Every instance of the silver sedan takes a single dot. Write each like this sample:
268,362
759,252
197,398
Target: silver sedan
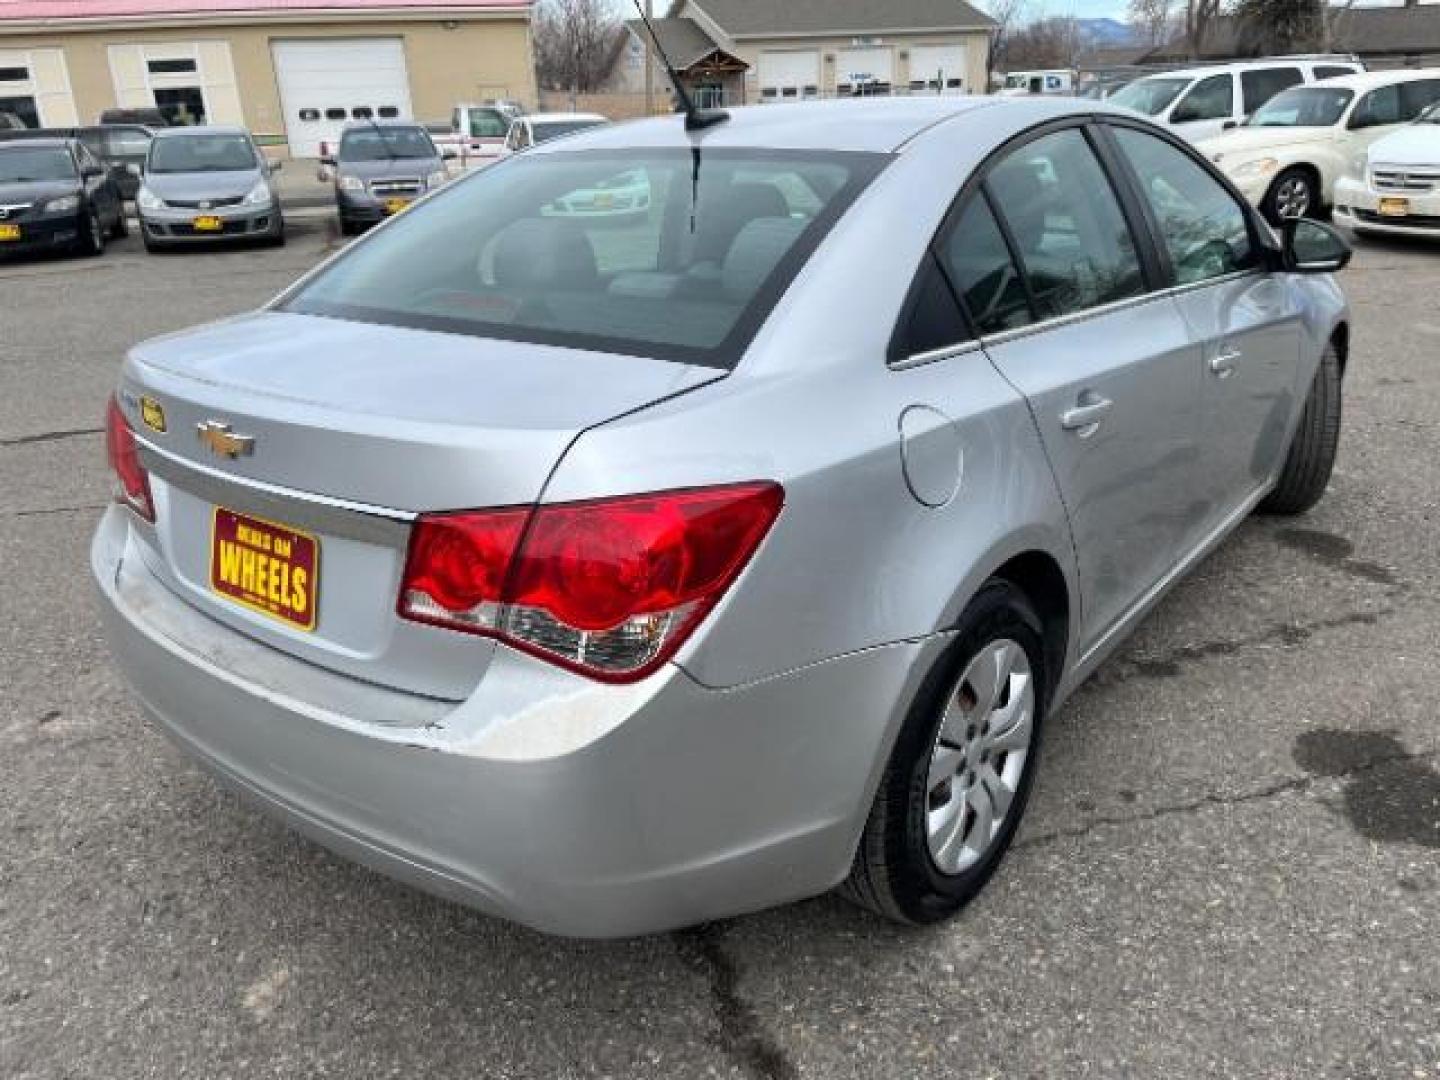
613,574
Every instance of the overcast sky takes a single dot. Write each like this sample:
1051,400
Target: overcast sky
1084,9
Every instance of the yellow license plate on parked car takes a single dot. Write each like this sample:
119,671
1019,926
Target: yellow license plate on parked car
1394,207
9,232
208,224
394,206
266,567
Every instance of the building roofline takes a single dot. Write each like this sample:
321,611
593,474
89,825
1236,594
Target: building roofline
10,27
907,32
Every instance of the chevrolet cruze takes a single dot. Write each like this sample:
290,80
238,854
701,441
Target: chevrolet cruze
612,576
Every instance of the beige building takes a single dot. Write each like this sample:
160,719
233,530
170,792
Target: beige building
736,52
293,71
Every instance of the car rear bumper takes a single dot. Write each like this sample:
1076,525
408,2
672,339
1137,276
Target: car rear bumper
1357,206
572,807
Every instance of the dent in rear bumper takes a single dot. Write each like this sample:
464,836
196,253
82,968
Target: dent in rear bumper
575,808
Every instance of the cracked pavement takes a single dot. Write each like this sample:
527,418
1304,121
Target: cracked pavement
1231,867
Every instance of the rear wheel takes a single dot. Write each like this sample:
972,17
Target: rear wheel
1311,458
122,227
1293,194
92,236
960,775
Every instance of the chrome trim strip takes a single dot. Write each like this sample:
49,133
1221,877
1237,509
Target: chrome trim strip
321,513
934,356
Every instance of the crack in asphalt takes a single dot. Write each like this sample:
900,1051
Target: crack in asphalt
742,1037
49,436
1287,786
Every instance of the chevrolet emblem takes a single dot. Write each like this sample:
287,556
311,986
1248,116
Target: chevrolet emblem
222,442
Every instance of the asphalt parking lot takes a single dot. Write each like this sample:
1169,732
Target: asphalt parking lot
1232,867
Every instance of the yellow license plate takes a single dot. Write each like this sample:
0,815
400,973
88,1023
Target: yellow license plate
394,206
208,224
9,232
1394,207
266,567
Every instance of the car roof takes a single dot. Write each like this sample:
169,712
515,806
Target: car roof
875,125
199,129
49,142
1251,65
1370,79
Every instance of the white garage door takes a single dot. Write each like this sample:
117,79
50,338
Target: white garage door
874,66
325,84
937,67
789,75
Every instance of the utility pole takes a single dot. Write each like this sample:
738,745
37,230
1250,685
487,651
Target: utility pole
649,63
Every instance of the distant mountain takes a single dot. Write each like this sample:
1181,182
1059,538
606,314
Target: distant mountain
1106,33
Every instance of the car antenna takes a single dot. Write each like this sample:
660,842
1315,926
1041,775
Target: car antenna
695,119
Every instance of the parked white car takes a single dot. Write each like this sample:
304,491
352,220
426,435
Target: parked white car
1394,187
528,131
478,130
1288,157
1200,103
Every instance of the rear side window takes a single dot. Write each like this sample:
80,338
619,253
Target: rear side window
1203,228
1325,71
1260,86
1416,97
1075,247
986,277
932,320
652,253
1378,108
1212,99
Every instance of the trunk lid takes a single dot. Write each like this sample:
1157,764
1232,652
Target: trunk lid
348,430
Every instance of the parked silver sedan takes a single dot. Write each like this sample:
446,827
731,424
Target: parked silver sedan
206,184
616,575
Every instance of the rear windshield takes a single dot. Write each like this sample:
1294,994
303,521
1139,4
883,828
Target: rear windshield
1305,106
201,153
652,253
488,124
1150,96
386,143
20,165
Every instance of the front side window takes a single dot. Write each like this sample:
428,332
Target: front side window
651,253
488,124
1075,247
201,153
978,262
1260,86
1212,99
1203,228
386,143
1150,96
23,165
1304,106
1416,97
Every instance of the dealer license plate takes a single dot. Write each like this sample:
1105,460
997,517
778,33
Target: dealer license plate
9,232
267,567
1394,207
207,223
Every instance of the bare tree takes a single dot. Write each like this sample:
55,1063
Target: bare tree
1044,43
575,43
1271,27
1199,16
1157,20
1007,15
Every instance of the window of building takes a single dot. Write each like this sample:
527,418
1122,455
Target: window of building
335,114
181,105
14,74
171,67
362,112
310,114
22,107
389,112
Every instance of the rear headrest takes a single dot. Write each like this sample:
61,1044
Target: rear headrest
541,253
730,208
756,252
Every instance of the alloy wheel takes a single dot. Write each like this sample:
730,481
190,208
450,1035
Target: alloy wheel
1292,197
979,757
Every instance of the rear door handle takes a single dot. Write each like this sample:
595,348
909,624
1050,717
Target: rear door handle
1223,362
1085,416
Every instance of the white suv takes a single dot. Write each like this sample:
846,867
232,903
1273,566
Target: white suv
1201,102
1289,155
1394,187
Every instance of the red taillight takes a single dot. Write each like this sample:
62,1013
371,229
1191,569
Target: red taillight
608,588
132,481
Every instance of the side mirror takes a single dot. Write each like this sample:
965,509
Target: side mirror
1230,125
449,153
274,166
1312,247
328,160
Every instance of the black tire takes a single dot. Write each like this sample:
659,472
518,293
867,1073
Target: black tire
1280,196
92,236
893,873
348,228
122,226
152,246
1311,458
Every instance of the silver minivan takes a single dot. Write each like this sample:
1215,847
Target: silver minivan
616,573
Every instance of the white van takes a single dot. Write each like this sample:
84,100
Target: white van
1202,102
1055,81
